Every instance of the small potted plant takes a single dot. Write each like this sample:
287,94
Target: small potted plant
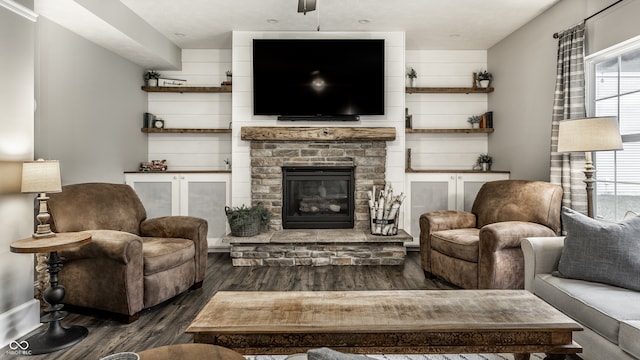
484,79
151,77
484,160
412,75
246,221
474,121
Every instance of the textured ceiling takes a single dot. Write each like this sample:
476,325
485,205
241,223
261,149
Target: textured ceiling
429,24
136,29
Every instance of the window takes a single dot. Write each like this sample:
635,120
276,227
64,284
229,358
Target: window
613,89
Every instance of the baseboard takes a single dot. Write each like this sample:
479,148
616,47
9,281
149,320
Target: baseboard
19,321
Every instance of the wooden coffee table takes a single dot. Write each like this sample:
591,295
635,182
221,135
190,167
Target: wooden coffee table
384,322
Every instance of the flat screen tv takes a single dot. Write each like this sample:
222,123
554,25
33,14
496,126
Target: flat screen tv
319,79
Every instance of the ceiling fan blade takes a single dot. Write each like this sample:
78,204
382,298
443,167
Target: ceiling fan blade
306,5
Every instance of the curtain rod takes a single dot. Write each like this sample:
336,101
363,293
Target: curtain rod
555,35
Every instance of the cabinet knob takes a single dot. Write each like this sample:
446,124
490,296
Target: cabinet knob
182,177
453,177
175,177
459,177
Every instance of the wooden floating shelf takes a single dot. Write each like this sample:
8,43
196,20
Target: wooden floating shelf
447,90
450,131
194,131
188,89
268,133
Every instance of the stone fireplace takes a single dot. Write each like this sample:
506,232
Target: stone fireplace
276,150
272,148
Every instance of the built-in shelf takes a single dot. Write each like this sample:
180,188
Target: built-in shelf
188,89
448,90
438,171
450,131
195,131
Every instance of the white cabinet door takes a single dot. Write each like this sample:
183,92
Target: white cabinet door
202,195
159,192
205,196
468,185
441,191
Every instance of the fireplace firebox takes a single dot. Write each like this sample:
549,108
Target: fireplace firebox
318,197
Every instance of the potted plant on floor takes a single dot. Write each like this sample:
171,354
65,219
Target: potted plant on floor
151,77
246,221
484,160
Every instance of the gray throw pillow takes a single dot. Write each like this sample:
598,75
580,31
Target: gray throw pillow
601,251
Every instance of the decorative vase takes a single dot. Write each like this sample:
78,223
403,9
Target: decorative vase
483,83
485,166
152,82
475,125
412,82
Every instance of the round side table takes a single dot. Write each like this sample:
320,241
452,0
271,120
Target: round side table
56,337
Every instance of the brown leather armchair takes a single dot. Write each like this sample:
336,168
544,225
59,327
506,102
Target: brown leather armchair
131,263
481,249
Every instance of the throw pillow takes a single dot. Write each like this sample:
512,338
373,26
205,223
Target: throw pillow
601,251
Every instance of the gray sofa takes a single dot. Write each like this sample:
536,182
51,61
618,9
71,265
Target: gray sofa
609,314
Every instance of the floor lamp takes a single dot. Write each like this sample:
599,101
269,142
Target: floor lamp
587,135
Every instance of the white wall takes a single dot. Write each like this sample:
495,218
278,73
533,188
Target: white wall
242,111
19,312
524,69
90,107
445,68
200,67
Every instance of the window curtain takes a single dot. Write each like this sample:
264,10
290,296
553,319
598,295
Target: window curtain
569,103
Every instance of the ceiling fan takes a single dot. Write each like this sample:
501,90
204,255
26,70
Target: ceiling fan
306,5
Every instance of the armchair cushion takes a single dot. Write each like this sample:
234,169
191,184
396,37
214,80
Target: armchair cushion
600,251
161,254
462,243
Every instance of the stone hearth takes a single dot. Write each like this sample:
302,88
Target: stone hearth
318,248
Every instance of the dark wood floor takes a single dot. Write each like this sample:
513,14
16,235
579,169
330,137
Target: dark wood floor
165,323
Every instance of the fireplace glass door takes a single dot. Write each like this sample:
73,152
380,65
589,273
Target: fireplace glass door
318,197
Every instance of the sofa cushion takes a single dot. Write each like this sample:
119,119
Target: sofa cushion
458,243
598,306
629,335
601,251
165,253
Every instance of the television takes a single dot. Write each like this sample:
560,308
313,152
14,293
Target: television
318,79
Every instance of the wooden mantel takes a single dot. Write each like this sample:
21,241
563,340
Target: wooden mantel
298,133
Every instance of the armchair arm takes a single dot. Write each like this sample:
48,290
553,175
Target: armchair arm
446,220
120,246
436,221
500,259
184,227
508,234
541,256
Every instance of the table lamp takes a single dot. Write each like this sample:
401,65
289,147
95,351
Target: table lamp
41,177
587,135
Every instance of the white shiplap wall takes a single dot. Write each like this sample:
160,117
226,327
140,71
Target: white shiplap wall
243,112
429,151
440,68
200,67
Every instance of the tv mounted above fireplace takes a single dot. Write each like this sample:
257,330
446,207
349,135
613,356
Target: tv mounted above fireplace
318,79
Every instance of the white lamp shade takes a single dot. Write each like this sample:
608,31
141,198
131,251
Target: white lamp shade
41,176
589,134
10,180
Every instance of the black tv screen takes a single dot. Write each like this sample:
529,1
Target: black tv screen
318,79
